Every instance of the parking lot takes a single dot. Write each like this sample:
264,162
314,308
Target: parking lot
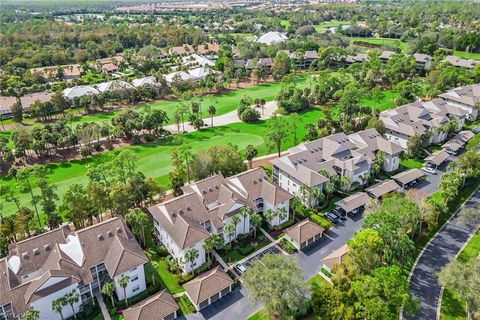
244,265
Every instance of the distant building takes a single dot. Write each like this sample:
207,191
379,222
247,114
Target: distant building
466,97
79,91
462,63
272,37
70,72
161,306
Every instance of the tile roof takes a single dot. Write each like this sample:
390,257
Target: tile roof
55,255
208,284
354,201
438,157
69,71
303,231
353,152
459,62
335,257
382,188
158,306
79,91
408,176
469,95
6,104
28,99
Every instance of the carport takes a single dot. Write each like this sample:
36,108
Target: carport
353,203
409,177
437,158
380,189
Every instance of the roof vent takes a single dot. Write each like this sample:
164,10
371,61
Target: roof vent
204,191
25,255
254,181
119,230
36,252
189,209
46,247
180,211
217,187
260,179
210,189
100,237
109,233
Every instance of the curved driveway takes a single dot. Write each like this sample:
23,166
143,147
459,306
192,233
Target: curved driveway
443,247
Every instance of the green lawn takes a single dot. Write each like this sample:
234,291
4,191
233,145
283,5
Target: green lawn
154,159
411,163
169,279
467,55
319,281
453,307
224,103
185,305
285,24
328,24
383,41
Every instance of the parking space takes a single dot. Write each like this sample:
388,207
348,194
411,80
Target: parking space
241,267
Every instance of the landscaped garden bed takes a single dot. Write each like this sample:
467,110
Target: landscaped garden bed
242,248
287,246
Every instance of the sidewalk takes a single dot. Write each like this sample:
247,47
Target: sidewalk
102,305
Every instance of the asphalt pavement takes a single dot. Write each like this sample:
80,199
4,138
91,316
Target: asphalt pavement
443,247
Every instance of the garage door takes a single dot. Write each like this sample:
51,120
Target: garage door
170,317
225,291
303,245
215,297
203,304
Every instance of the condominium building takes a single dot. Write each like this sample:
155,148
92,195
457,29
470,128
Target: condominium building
44,268
207,206
338,154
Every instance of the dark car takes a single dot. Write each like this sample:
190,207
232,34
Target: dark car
339,214
476,130
330,216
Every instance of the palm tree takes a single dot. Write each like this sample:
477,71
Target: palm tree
57,306
108,289
245,213
212,111
229,232
210,243
262,104
123,283
235,222
31,314
190,256
329,188
317,195
256,221
70,299
269,215
282,214
137,219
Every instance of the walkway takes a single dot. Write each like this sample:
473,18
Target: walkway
439,251
225,119
102,305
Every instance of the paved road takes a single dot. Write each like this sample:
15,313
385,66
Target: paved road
444,246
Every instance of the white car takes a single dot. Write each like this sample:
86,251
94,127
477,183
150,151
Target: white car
429,170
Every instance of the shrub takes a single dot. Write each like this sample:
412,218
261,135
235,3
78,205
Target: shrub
109,145
97,147
161,251
250,115
324,223
85,151
287,246
135,140
149,137
245,251
184,278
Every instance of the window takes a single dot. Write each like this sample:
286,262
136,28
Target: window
134,278
133,269
135,289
